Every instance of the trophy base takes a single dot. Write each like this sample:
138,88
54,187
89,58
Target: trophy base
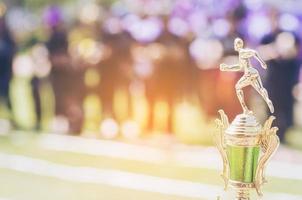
238,194
243,194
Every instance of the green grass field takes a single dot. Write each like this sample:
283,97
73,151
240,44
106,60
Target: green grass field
31,171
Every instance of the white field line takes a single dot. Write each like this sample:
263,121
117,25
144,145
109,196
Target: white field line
199,158
120,179
108,177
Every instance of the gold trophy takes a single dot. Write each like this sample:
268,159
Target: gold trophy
245,145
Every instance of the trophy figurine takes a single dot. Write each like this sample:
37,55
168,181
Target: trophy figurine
245,145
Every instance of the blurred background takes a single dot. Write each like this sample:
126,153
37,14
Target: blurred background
107,99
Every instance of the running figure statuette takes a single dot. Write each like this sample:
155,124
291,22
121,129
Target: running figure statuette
251,75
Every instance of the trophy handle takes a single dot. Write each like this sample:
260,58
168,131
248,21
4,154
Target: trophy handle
222,125
269,142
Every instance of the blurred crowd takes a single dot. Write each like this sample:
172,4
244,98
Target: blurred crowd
86,66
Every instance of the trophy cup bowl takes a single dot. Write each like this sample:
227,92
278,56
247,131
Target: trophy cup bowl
245,147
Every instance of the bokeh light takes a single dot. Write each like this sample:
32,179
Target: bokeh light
288,22
109,128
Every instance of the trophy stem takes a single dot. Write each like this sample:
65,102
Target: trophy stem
243,194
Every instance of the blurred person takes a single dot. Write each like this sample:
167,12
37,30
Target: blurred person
115,70
281,49
40,84
170,79
234,19
35,86
282,76
7,52
66,80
